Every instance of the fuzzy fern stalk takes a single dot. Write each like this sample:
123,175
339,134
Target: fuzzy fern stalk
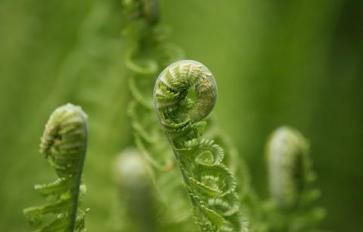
184,95
290,182
137,193
64,145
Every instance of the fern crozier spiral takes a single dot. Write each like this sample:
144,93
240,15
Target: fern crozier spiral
176,83
185,94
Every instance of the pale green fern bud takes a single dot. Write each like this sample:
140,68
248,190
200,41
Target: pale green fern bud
64,145
184,94
288,166
291,184
136,192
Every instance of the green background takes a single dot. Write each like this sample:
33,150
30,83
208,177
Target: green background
276,62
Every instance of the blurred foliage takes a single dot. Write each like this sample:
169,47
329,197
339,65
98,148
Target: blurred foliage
276,62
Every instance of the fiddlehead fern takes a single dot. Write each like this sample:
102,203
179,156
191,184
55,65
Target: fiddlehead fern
148,51
64,145
288,166
90,76
290,182
184,94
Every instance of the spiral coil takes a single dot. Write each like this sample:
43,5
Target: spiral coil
184,94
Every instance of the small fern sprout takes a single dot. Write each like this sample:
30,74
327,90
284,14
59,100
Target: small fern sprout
291,183
184,95
288,166
137,192
64,145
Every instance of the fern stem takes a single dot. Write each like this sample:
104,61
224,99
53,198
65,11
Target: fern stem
78,178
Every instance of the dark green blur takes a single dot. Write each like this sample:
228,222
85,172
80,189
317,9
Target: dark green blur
276,62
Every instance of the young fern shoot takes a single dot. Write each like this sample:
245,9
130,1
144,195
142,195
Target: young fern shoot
137,193
184,94
64,145
290,179
288,166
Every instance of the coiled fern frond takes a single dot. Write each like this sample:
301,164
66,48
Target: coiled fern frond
291,183
184,95
64,145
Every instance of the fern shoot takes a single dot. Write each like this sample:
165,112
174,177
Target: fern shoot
137,193
184,94
290,182
64,145
288,166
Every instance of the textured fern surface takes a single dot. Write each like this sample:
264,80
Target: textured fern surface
63,144
184,94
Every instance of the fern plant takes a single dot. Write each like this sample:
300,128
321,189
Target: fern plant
138,202
64,145
184,94
293,197
148,52
153,198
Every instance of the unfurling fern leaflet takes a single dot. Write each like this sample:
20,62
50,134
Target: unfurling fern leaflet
184,94
290,182
64,145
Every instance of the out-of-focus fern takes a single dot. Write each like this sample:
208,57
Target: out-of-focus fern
64,145
148,52
184,95
290,174
138,202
